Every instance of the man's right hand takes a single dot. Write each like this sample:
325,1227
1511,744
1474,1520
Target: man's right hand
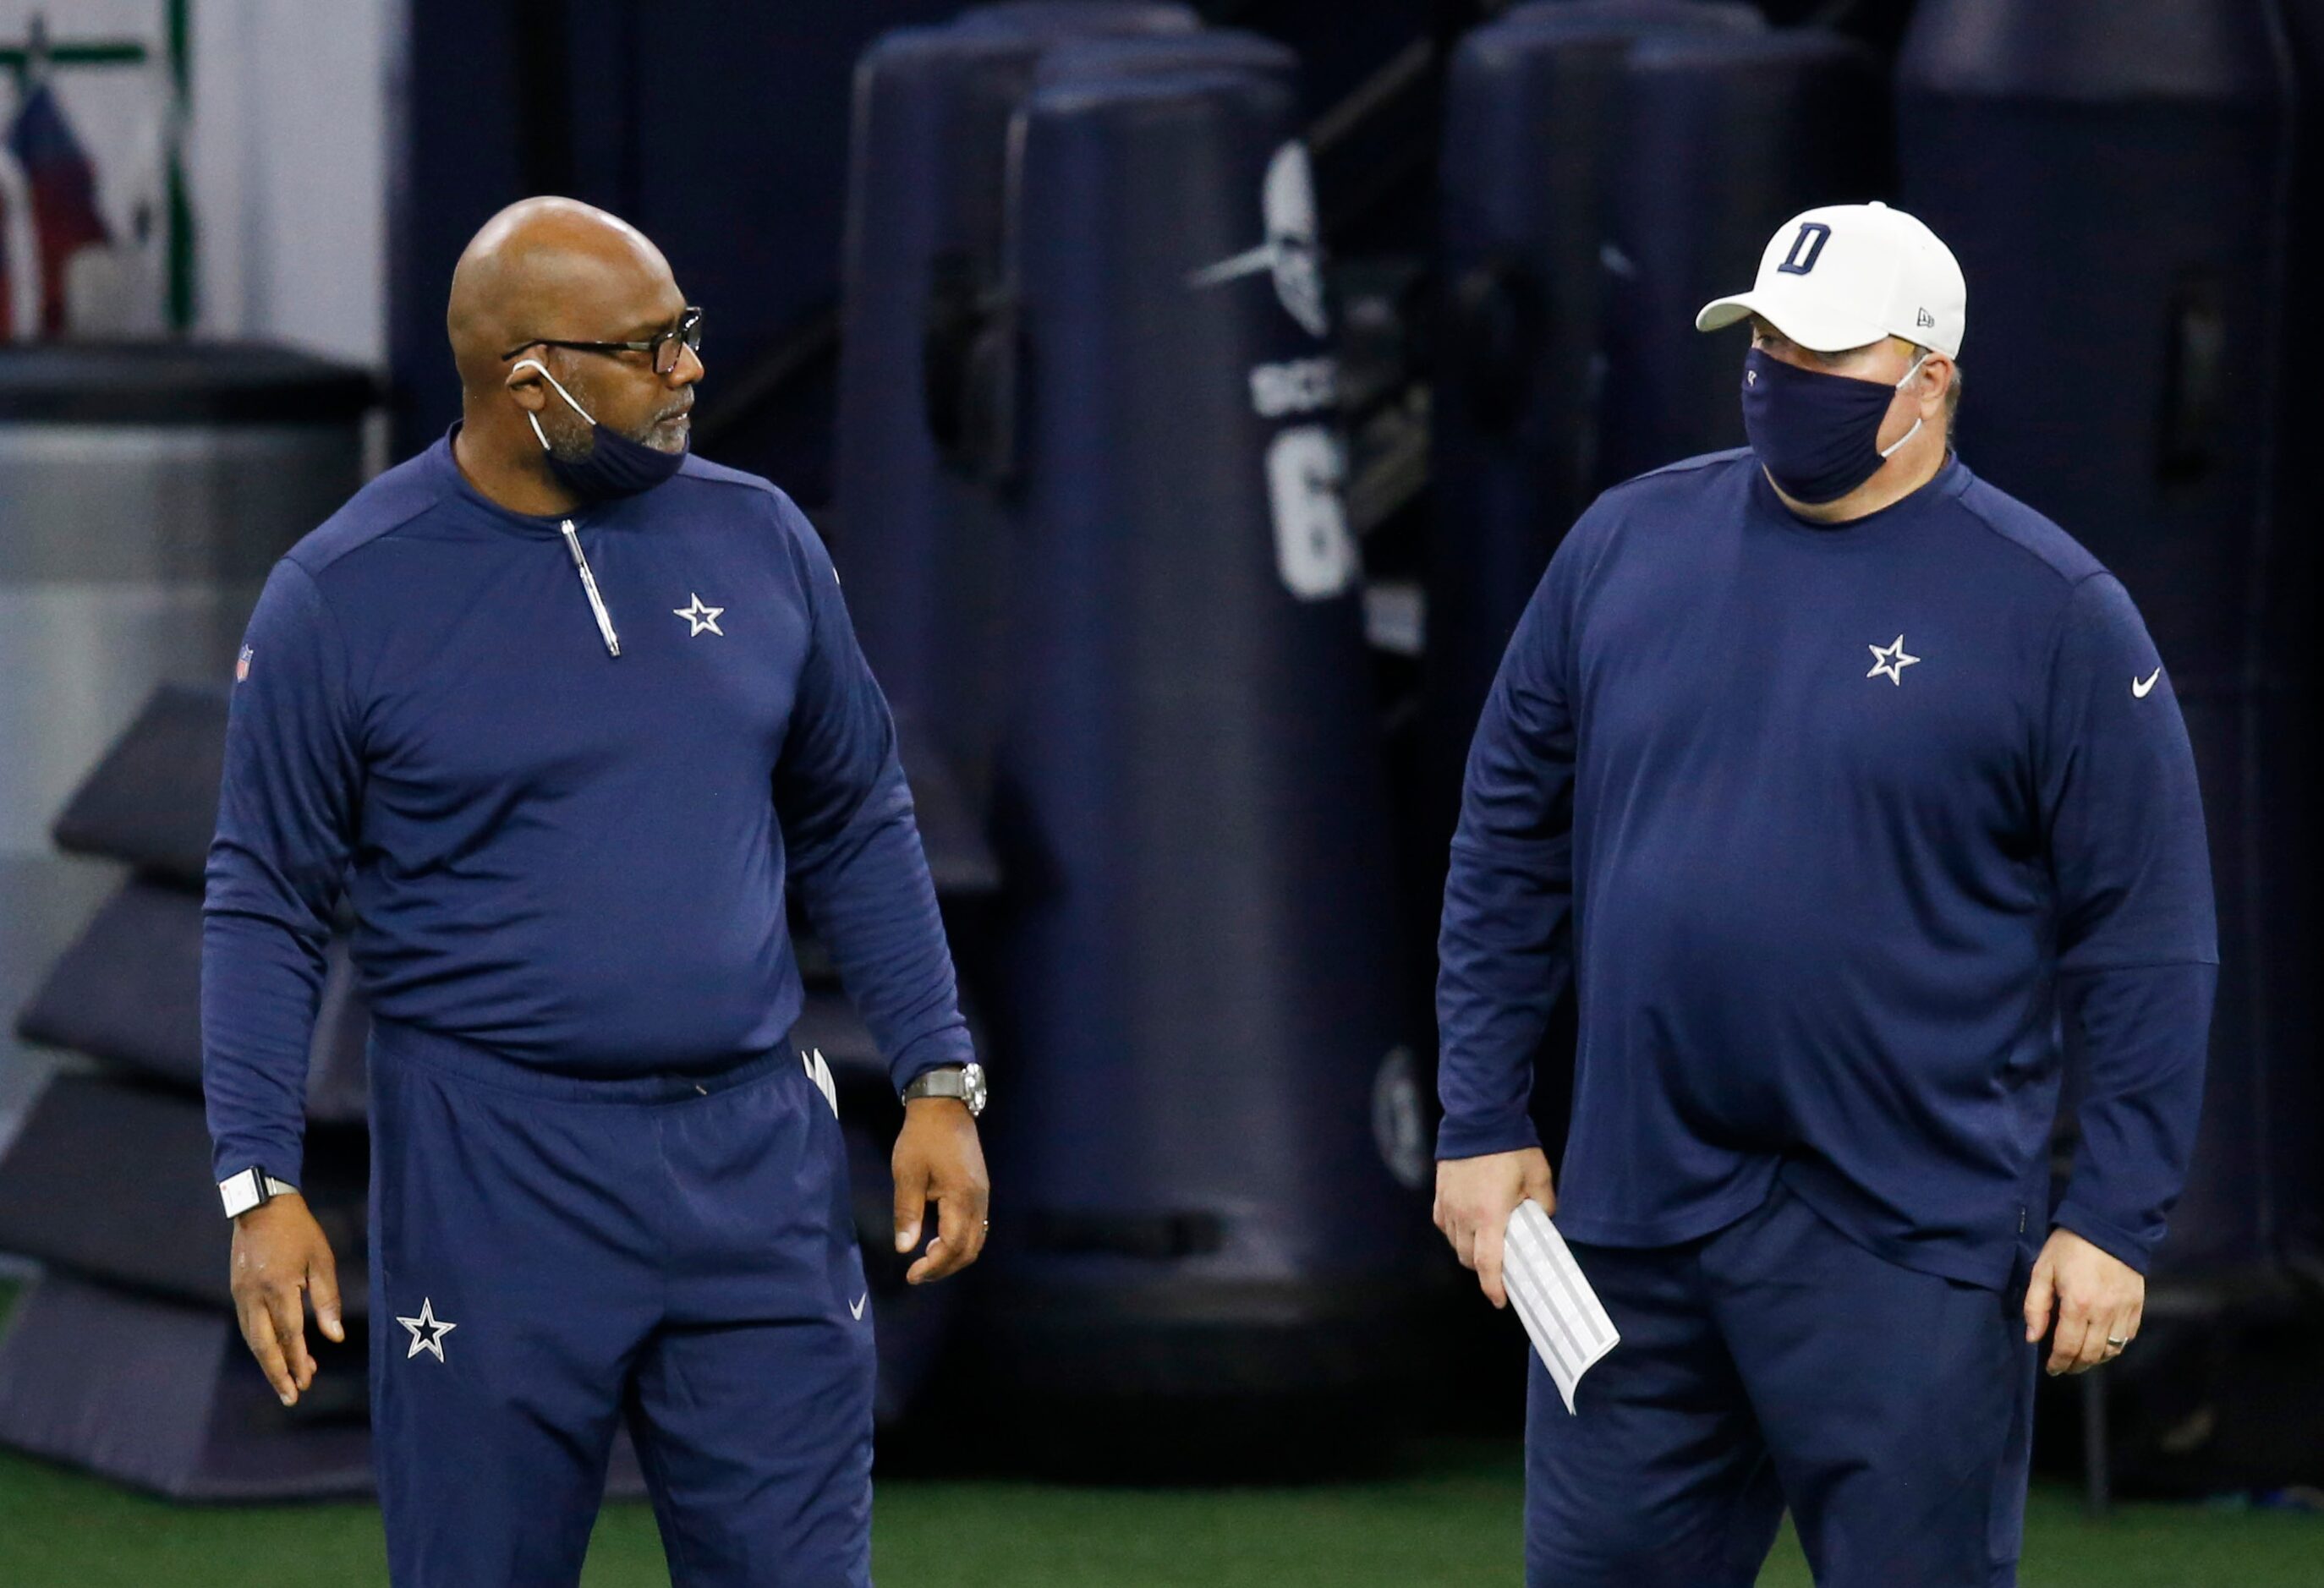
1474,1199
281,1261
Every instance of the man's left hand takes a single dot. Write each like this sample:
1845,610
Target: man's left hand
939,1159
2095,1297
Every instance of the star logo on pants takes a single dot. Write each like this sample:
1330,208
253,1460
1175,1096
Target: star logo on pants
427,1331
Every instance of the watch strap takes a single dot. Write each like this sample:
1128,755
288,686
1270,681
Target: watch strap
949,1080
964,1082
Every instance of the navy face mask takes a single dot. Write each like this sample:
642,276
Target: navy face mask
615,465
1818,434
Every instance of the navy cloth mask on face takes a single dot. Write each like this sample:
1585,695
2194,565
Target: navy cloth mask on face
1817,434
615,465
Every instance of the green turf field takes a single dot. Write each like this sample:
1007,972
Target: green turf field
1451,1518
1448,1515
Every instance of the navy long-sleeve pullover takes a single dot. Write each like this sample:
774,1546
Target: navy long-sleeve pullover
569,859
1834,830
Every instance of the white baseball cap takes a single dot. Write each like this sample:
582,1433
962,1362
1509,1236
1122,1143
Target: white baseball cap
1849,275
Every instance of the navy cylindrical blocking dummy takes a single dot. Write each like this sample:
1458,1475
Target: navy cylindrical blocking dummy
1199,1009
1533,119
1724,136
923,552
1057,19
2113,175
1145,55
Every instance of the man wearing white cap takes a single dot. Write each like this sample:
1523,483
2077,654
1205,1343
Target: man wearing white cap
1841,785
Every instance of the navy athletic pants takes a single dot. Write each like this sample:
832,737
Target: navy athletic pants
1776,1362
550,1257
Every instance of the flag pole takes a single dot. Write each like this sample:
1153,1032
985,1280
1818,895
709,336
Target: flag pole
182,207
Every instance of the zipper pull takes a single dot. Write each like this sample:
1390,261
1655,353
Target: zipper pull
589,582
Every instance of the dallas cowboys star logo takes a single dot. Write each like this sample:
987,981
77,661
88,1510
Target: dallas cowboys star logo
1890,659
427,1331
701,617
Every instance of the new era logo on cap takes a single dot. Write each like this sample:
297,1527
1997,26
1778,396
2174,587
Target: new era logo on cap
1847,276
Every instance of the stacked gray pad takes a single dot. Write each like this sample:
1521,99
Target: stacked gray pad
142,1212
127,992
162,1394
146,487
125,1357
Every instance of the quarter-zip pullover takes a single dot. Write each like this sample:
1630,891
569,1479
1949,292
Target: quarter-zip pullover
1833,830
565,768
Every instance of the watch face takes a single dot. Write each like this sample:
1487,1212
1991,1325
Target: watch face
972,1087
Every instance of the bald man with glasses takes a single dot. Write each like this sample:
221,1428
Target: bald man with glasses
569,712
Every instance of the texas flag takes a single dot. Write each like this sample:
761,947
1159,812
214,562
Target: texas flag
61,186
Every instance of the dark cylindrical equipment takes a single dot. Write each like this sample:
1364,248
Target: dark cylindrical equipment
923,552
1533,118
1145,55
1199,1013
1063,19
2115,176
1725,135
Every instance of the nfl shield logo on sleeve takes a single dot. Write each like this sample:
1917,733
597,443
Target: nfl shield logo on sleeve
242,666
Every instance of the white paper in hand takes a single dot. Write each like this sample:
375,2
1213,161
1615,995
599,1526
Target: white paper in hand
1561,1314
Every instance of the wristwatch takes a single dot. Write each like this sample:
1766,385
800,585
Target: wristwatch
963,1081
252,1188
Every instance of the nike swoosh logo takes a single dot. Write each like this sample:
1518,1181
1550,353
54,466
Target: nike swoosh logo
856,1306
2141,690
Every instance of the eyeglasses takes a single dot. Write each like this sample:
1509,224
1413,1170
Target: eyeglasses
686,333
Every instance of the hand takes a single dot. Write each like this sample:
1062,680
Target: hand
1474,1199
938,1159
281,1255
2096,1296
